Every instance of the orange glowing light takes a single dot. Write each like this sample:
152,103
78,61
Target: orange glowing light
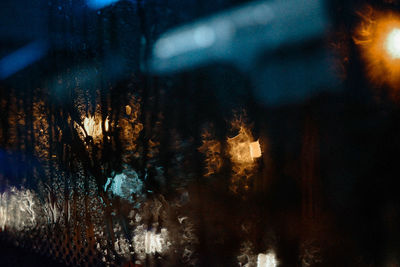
378,36
243,150
211,148
128,110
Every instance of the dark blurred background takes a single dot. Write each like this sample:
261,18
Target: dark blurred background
324,192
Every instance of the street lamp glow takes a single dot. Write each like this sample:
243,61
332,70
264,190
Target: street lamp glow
393,43
378,37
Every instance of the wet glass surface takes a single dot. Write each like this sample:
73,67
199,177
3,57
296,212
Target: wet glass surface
104,163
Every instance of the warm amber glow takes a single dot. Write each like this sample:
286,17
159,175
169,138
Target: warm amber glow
378,37
242,150
131,127
128,110
212,151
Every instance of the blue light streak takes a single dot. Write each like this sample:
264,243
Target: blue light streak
98,4
22,58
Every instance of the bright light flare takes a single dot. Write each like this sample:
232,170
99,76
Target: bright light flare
393,43
378,37
92,126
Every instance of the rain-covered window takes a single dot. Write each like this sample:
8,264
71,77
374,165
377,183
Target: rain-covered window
255,133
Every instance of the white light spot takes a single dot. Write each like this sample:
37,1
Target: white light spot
393,43
267,260
149,242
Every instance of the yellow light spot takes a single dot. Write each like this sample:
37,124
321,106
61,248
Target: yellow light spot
128,110
106,125
393,43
